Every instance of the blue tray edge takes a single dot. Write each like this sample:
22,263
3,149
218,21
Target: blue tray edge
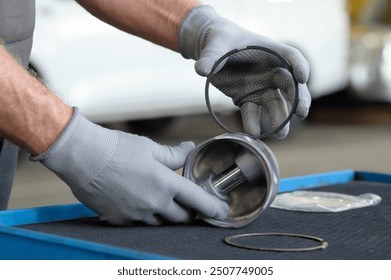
316,180
22,244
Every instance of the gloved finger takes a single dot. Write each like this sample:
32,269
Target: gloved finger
204,66
283,132
283,80
304,102
176,213
123,220
196,198
300,65
250,113
172,157
153,220
277,110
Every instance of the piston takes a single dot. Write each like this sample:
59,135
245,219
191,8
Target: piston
238,169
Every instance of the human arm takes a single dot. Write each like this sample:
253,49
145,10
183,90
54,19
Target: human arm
157,21
31,116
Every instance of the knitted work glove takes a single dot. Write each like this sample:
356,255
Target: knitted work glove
205,37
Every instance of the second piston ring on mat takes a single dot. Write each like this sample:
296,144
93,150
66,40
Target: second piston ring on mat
322,244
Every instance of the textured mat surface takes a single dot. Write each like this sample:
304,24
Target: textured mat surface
356,234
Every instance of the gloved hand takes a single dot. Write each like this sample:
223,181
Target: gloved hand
205,37
126,178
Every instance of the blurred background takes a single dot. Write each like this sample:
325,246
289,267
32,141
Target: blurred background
127,83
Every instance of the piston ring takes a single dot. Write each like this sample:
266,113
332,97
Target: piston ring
322,243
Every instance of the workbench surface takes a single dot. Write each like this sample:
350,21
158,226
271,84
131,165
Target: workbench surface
355,234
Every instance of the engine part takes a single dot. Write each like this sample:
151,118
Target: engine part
238,169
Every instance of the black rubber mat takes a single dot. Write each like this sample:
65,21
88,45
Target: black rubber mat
356,234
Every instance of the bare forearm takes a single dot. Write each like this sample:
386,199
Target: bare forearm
155,20
30,115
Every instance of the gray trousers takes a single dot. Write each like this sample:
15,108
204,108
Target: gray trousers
17,20
8,160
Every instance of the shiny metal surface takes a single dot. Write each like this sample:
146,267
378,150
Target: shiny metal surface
229,180
236,168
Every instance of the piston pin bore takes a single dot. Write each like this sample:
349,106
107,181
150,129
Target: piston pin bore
245,169
228,180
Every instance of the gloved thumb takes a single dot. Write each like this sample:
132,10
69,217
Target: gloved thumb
204,65
173,157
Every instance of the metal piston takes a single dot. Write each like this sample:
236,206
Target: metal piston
238,169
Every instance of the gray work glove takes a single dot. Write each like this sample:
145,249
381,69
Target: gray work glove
126,178
205,37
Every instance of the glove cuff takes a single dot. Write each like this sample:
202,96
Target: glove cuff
192,28
81,151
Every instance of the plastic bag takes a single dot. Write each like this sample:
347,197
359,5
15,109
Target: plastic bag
314,201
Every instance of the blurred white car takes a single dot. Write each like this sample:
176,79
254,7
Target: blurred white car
113,76
370,74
